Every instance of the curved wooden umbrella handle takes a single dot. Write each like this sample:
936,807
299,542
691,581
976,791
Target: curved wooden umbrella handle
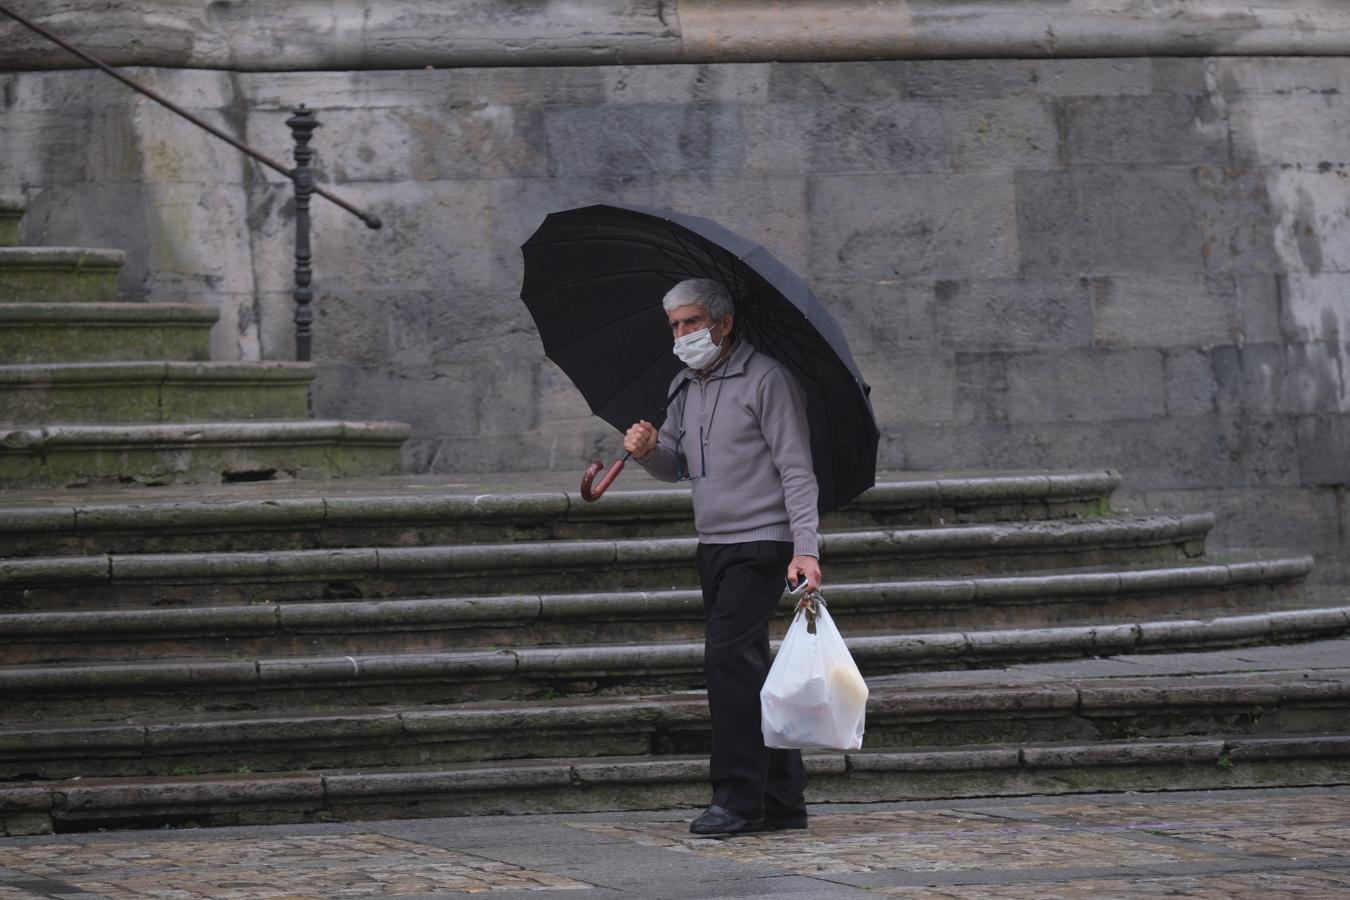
591,494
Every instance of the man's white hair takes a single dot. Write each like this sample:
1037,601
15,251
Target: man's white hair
704,292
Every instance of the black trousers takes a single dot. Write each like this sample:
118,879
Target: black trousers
742,585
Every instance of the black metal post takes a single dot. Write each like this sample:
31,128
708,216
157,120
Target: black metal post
302,126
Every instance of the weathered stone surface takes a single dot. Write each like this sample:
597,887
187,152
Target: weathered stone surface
316,36
34,333
1166,129
1082,385
1163,312
932,227
1002,134
1321,444
1106,220
1142,752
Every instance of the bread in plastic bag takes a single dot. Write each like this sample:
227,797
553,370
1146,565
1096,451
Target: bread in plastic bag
814,695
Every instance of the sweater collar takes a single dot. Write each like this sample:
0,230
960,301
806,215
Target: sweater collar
734,365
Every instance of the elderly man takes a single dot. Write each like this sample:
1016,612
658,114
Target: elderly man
738,431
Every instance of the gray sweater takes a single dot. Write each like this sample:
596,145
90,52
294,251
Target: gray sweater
752,476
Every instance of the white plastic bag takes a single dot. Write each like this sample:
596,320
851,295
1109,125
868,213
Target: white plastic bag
814,695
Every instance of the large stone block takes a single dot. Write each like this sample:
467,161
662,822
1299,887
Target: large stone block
1293,76
1279,219
422,88
1258,306
1314,307
780,138
436,234
1181,75
877,137
1007,133
972,77
687,83
1099,77
1274,378
1086,386
1159,311
1305,129
1269,517
1013,313
1190,383
422,143
828,81
411,396
643,139
884,316
875,227
40,147
1201,451
982,387
1109,220
1322,443
1168,129
910,387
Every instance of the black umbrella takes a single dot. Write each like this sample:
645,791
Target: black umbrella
594,279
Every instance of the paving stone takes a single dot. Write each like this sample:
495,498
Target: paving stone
305,868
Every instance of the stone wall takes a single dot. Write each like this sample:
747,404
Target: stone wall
1141,263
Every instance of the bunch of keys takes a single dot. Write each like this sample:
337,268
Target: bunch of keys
811,601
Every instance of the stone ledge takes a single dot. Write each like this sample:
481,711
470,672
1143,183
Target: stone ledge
109,314
559,784
58,437
113,374
874,654
852,603
1067,537
321,36
896,716
60,259
146,513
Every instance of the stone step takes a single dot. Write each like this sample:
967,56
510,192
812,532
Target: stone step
192,686
425,509
1222,586
69,393
466,569
11,212
614,783
59,274
904,714
40,333
213,452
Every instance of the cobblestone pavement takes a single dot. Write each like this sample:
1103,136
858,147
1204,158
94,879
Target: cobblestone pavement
1221,844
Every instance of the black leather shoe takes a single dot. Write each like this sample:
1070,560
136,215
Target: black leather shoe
718,820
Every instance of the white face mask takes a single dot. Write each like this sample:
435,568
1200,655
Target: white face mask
696,349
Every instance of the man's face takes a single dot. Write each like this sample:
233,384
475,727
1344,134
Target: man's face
688,319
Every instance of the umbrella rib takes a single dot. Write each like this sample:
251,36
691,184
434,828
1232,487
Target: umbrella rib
602,326
681,237
583,280
650,363
777,331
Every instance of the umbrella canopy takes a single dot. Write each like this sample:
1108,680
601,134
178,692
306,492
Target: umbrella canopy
594,279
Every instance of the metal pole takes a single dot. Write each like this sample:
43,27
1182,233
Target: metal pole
302,126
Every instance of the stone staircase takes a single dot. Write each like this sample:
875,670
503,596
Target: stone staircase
96,390
199,626
417,646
